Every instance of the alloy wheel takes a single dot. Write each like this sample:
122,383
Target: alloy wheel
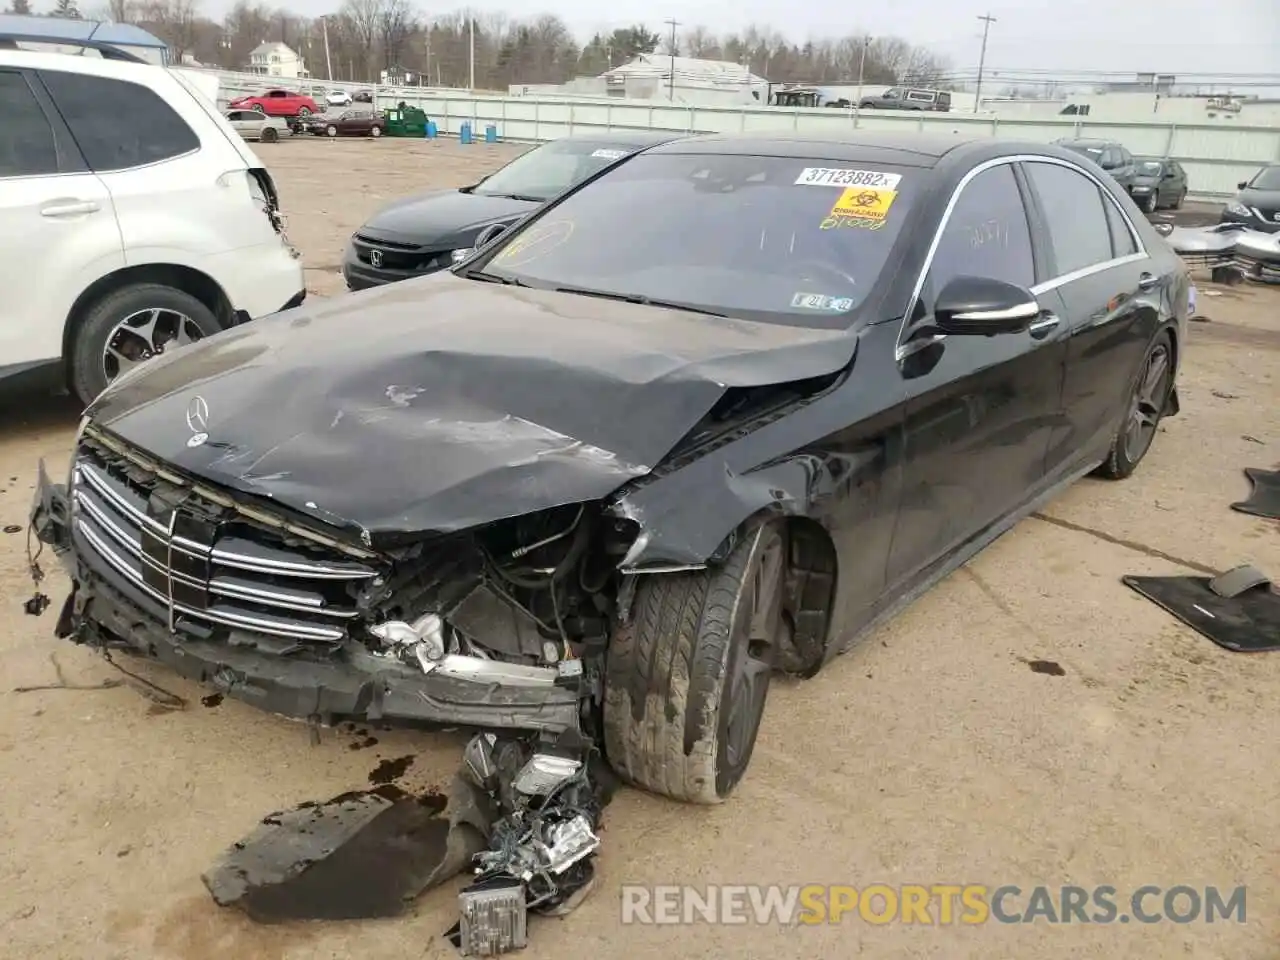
143,335
1147,404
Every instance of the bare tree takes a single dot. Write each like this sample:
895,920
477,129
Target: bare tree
396,22
364,18
173,21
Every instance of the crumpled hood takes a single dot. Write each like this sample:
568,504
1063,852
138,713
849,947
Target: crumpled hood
442,217
441,403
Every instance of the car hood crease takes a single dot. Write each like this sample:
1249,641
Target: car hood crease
442,403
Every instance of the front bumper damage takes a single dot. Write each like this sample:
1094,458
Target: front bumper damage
114,612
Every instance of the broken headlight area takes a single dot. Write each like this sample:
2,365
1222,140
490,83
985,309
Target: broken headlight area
524,600
542,845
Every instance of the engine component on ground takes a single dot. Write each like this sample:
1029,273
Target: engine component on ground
494,919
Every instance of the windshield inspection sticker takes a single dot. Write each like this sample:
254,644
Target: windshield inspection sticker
867,203
610,154
837,177
819,301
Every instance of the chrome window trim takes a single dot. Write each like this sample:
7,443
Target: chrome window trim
1052,283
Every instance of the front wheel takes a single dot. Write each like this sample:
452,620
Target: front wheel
259,108
331,131
130,326
375,132
270,135
1147,403
688,675
1153,202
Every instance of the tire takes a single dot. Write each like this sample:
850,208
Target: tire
1182,197
1147,400
304,112
331,131
686,682
375,132
1153,202
260,108
100,324
269,135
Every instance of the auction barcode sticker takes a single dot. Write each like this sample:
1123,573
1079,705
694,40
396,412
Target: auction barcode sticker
844,177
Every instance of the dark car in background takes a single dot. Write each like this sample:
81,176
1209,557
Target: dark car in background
908,98
354,121
1111,156
427,232
1159,183
1257,205
714,413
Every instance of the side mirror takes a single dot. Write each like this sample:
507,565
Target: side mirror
980,306
1242,185
1164,229
489,233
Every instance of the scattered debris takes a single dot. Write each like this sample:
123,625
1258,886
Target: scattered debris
13,528
1225,396
361,855
37,604
1264,499
212,700
62,684
1048,667
1245,436
1238,610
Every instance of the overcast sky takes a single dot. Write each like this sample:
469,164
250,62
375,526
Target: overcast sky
1168,36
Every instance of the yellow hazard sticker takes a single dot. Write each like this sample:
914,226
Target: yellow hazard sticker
865,203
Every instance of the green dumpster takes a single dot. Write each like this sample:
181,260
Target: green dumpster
406,121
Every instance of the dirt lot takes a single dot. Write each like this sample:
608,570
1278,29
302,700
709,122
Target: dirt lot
931,754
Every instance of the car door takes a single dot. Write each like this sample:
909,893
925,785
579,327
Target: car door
57,224
245,122
1111,295
276,103
361,122
979,410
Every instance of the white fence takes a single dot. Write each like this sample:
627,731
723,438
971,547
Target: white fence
1216,157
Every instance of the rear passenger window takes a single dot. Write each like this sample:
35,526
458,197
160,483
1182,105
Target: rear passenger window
1122,242
117,124
26,140
1078,228
987,234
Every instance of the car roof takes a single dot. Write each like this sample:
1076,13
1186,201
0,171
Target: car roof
640,138
903,148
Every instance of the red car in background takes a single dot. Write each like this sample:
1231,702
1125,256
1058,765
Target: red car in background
278,103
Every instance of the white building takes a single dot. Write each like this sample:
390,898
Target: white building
277,60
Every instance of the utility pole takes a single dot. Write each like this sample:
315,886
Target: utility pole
862,71
328,63
671,84
987,20
471,41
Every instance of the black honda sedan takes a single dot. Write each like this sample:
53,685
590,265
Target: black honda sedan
429,232
712,414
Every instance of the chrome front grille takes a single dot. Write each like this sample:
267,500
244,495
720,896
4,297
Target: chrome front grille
207,565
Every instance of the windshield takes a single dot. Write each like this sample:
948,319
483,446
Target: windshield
763,238
1150,168
1090,151
1267,179
546,171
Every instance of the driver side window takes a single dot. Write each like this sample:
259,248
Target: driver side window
987,234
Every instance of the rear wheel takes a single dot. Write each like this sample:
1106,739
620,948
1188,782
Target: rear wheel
304,111
130,326
1147,403
270,135
375,132
331,131
688,675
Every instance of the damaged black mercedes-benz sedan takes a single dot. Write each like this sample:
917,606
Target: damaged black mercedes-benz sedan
709,415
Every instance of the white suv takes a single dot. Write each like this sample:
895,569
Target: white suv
133,219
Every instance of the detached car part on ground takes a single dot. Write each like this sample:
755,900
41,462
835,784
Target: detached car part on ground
597,484
429,232
1229,247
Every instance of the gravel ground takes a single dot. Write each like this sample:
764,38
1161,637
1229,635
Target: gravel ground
931,754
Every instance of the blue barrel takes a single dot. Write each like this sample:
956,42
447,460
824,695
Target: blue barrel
464,132
431,130
491,133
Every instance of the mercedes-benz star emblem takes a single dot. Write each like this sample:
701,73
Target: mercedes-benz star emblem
375,258
198,421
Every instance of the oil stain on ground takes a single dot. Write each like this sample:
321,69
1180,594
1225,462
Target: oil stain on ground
1048,667
390,770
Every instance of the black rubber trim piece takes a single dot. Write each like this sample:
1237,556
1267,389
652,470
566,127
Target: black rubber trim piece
1264,501
1238,610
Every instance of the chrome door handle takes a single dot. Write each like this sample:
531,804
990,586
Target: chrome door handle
1043,324
69,208
1147,281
